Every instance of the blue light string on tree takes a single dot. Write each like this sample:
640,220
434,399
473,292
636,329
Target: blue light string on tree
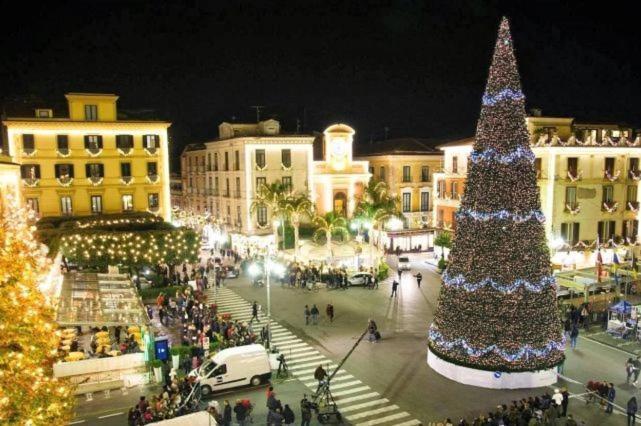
493,155
503,95
526,351
460,282
502,215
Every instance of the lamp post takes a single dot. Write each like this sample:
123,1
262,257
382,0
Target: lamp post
268,267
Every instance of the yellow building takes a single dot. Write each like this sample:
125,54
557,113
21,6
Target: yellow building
9,180
90,162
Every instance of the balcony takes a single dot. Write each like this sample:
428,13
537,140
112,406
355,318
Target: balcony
126,180
125,151
29,152
407,179
151,150
153,178
572,207
611,175
95,180
31,182
575,175
64,180
634,175
546,140
94,151
609,206
63,152
632,206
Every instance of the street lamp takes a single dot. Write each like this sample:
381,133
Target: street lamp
269,267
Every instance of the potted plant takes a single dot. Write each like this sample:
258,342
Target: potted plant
175,356
157,366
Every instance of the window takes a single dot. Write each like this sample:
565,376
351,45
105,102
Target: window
209,161
630,230
236,160
95,170
570,232
34,205
425,174
93,143
407,174
260,158
261,215
96,204
286,157
151,142
382,173
65,206
152,169
573,166
215,161
425,201
606,230
287,183
30,171
227,187
64,171
631,195
609,165
570,196
226,161
63,144
407,202
125,170
260,182
238,216
216,185
634,165
91,112
608,193
537,166
153,201
454,189
237,187
127,202
28,143
455,164
124,142
441,188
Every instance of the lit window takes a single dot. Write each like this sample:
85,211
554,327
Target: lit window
96,204
91,112
260,158
261,215
286,157
153,201
34,205
127,202
65,206
407,202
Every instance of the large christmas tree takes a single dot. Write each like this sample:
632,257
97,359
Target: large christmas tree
29,395
497,306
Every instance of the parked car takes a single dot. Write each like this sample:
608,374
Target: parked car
404,264
359,279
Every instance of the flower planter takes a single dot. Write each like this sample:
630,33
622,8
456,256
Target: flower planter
158,374
175,361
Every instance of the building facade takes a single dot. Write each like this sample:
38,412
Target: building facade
588,176
9,181
222,177
90,162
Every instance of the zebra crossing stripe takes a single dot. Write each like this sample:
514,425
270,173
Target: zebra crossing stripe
294,345
297,356
384,419
370,413
285,341
367,404
310,377
308,370
337,378
346,385
296,350
409,423
351,391
347,400
305,365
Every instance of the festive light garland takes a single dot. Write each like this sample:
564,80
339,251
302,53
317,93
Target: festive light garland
490,154
526,351
537,286
503,95
501,215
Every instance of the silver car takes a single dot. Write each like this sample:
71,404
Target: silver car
359,279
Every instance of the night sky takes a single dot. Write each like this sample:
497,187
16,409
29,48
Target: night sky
417,68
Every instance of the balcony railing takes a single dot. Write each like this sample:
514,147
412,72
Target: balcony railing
151,150
95,180
125,150
64,180
572,207
574,175
28,151
63,152
153,178
612,175
94,151
634,175
31,182
546,140
609,206
127,180
632,206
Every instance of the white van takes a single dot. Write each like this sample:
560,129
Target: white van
233,367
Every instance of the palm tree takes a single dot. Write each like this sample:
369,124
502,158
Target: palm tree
443,240
377,206
298,205
274,196
329,225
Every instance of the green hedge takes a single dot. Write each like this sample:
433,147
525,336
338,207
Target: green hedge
153,292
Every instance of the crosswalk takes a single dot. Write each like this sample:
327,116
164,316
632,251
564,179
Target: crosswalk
359,404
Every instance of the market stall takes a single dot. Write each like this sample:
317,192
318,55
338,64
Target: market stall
105,336
620,323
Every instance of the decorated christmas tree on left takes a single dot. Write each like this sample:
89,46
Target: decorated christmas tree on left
29,395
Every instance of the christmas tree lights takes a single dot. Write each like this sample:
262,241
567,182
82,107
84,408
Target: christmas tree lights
497,307
29,395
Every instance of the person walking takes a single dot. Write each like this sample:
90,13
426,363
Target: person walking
288,415
574,333
400,274
637,369
419,278
315,312
632,410
241,412
330,312
394,288
565,402
226,413
305,411
610,396
307,314
629,370
372,329
320,374
254,311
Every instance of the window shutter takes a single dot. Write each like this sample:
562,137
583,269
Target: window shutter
635,230
56,169
71,170
612,228
600,231
564,232
87,170
102,170
99,141
575,233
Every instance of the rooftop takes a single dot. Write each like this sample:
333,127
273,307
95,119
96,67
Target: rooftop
399,146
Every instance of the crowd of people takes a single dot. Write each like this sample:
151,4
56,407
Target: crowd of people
172,401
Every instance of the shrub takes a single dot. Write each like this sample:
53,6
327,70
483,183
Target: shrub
156,363
442,264
153,292
383,271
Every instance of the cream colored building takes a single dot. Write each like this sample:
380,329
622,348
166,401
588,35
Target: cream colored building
588,176
221,177
90,162
9,180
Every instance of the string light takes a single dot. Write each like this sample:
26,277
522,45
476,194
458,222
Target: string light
497,308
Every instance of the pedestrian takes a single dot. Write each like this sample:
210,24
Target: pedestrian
241,412
254,311
573,335
557,397
400,274
632,410
305,411
307,314
226,413
629,370
610,396
320,374
585,317
565,402
315,312
394,288
419,278
288,415
637,369
274,418
372,329
330,312
272,402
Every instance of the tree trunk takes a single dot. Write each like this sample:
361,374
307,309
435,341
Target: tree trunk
328,236
296,225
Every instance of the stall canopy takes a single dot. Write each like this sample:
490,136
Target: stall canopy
622,307
96,300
